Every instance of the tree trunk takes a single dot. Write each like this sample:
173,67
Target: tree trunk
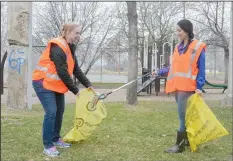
18,22
133,52
167,52
226,63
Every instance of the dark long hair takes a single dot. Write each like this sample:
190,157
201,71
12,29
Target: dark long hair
187,26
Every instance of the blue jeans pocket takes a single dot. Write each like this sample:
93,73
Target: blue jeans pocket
38,86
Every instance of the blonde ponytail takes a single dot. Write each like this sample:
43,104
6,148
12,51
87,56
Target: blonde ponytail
68,27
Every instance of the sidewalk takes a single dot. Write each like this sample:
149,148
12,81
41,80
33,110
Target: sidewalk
120,96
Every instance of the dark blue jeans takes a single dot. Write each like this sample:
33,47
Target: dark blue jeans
181,100
53,104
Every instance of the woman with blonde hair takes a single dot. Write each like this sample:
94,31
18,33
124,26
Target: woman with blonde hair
52,77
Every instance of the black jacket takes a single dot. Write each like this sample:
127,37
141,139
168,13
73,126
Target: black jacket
59,58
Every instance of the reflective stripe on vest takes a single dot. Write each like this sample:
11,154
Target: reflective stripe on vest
189,74
45,69
38,67
53,76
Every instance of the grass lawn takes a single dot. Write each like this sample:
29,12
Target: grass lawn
128,133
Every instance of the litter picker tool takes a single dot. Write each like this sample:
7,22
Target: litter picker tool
103,96
91,105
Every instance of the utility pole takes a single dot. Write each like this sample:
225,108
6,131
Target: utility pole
230,57
227,101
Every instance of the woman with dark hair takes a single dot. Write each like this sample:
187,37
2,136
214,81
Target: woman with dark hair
186,76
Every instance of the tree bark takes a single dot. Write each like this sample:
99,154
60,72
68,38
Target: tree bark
133,52
226,63
18,22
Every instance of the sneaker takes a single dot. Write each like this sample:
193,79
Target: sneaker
52,152
60,143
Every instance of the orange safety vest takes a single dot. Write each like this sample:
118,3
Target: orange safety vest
183,70
45,68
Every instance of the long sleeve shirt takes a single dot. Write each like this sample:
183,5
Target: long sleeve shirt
58,56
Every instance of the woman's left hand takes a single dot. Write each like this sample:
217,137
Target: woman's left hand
198,91
153,73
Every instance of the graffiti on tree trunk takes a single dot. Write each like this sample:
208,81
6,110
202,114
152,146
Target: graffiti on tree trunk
16,59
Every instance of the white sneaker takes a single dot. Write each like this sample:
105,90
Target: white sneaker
61,144
52,152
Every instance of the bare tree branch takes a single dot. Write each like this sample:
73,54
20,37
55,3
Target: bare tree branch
93,19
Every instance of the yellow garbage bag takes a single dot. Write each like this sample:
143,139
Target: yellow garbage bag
201,123
88,114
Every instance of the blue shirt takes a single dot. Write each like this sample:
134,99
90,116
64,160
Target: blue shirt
163,71
200,65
